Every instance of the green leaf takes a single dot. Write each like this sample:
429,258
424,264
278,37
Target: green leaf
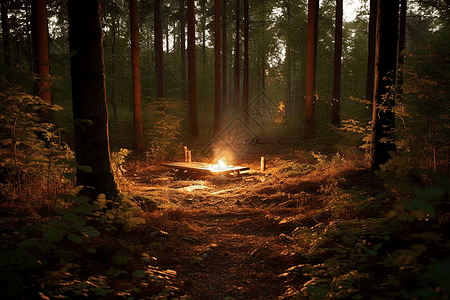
440,179
138,273
75,238
427,208
111,272
54,234
121,259
71,217
83,285
91,232
30,242
70,176
429,194
371,252
86,169
92,250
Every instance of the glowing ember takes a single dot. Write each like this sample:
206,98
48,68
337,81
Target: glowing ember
220,166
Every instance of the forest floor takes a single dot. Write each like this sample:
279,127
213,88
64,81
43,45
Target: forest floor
231,237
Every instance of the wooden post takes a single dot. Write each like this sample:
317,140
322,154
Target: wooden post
263,164
185,153
189,156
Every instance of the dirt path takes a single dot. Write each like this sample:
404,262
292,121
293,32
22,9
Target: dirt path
223,236
228,256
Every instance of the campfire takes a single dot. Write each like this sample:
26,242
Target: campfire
219,167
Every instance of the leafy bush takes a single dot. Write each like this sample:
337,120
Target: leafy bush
48,259
33,158
163,128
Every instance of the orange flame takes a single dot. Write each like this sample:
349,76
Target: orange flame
220,166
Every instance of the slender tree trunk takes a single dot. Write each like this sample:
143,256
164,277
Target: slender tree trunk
217,108
383,118
245,85
113,70
89,98
401,45
167,37
237,68
203,29
313,13
336,111
184,96
6,43
192,77
289,104
42,54
136,73
371,50
159,61
224,58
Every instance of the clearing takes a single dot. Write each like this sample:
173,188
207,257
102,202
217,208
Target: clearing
230,237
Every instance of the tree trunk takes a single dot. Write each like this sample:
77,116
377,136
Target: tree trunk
113,70
41,42
224,105
401,45
217,108
136,73
289,104
203,29
371,50
336,104
183,50
159,61
237,68
89,98
383,118
6,43
192,76
245,85
313,13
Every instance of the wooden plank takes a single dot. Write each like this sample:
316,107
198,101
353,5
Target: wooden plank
205,167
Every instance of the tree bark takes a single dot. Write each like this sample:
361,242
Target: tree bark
401,45
289,104
245,84
89,98
192,76
371,50
217,108
136,73
159,61
6,43
313,13
41,42
383,118
237,67
184,96
336,104
224,105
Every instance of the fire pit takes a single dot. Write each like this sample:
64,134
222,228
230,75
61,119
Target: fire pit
212,169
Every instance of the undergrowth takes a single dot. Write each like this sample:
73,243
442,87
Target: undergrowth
64,257
56,243
365,251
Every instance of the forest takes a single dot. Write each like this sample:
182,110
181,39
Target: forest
225,149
